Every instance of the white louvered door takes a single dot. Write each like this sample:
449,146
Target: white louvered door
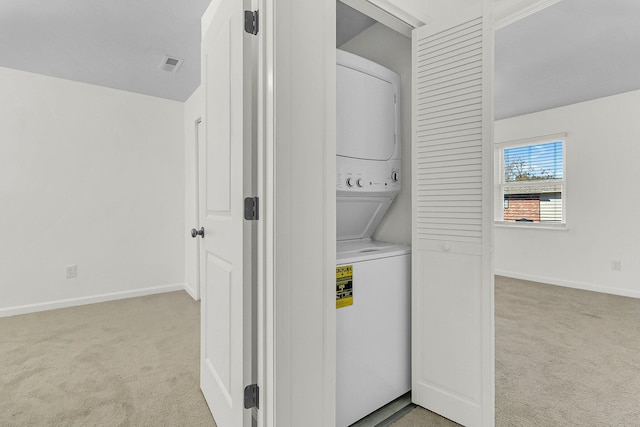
452,285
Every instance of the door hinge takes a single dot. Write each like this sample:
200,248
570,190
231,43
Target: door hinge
251,21
251,396
251,208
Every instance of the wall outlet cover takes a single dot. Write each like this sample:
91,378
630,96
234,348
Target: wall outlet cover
72,271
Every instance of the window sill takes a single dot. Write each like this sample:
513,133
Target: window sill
530,225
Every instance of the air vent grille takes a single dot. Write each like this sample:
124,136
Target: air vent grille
170,64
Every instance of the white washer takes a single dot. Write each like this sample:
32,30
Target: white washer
373,334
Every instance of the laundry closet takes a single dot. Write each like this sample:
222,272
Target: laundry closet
373,205
430,168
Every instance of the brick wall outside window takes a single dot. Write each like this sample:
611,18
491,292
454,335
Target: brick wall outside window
522,206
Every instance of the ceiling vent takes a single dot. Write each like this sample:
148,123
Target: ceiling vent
170,64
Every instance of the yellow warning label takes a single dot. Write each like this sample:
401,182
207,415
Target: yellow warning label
344,286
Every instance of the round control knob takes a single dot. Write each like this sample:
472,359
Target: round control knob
349,182
359,182
394,176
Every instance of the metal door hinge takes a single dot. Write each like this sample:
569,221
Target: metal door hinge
251,21
251,208
251,396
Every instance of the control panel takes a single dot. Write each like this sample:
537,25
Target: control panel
368,177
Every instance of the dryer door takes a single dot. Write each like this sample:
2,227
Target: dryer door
366,120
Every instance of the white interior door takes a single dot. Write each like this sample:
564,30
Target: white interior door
452,281
225,264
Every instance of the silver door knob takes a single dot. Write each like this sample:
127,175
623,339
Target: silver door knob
195,233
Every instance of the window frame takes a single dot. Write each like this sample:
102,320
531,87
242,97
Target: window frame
500,184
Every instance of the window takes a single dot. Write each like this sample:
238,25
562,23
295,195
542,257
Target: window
530,182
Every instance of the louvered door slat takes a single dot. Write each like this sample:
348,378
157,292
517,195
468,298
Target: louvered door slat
425,122
463,108
438,150
448,35
462,58
451,39
457,61
437,61
453,142
450,88
435,182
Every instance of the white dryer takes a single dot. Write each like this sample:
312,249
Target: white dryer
367,144
372,278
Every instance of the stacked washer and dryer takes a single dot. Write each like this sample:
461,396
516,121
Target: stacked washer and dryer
373,290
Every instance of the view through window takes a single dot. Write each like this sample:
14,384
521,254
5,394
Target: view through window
531,182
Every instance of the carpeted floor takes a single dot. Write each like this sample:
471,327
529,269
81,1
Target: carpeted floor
132,362
564,357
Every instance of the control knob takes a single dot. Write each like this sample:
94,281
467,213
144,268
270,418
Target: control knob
349,182
394,176
359,182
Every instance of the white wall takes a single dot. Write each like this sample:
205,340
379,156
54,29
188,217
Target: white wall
89,176
602,199
390,49
193,109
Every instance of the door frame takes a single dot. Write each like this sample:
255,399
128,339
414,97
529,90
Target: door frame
289,333
266,231
197,186
292,339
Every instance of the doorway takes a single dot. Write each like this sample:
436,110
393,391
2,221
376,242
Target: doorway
373,164
193,255
446,211
457,309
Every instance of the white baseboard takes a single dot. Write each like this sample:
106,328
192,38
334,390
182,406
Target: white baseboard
93,299
191,291
569,284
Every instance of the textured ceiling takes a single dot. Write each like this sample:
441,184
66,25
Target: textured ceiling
113,43
573,51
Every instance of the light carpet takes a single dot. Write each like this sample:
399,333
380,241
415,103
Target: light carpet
132,362
564,357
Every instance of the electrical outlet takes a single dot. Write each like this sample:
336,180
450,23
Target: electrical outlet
616,265
72,271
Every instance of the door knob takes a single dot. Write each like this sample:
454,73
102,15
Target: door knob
195,233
